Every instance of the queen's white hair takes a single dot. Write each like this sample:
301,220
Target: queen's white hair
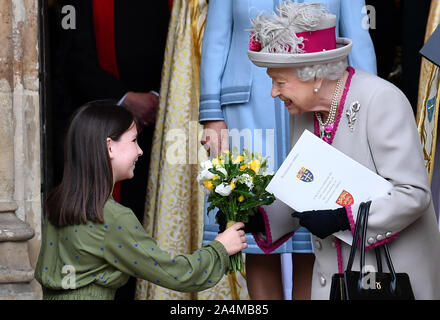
331,71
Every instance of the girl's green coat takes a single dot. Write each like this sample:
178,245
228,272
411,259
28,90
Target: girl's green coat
91,261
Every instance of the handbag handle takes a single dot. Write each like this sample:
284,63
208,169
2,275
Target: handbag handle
361,226
359,223
365,212
390,267
378,259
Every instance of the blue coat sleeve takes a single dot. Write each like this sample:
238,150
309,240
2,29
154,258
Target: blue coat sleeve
215,49
352,25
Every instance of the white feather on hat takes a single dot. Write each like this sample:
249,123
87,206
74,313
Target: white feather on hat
278,42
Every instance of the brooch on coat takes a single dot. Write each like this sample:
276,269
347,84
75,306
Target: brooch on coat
351,114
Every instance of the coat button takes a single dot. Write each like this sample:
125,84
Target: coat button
322,281
371,240
318,244
388,234
379,237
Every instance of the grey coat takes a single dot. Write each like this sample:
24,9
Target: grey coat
384,139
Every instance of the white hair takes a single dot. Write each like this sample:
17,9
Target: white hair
331,71
278,32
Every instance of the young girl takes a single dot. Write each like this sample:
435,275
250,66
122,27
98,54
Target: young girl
91,244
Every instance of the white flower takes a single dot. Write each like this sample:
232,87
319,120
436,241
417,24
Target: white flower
224,189
247,180
204,173
205,165
222,170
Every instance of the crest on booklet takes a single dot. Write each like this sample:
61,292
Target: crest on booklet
305,175
345,199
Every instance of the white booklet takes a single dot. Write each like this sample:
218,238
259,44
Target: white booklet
317,176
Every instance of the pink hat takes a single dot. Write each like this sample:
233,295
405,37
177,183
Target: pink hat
301,34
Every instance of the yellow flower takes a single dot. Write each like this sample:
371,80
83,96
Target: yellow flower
241,198
217,160
255,165
230,224
238,159
215,177
208,184
243,167
232,184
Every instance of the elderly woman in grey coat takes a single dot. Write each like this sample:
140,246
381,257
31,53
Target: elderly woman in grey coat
368,119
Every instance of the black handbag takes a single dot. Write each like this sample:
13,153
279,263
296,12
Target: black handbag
361,285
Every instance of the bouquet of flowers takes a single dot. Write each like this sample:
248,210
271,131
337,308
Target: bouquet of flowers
235,184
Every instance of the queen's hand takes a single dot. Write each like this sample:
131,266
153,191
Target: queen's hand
323,223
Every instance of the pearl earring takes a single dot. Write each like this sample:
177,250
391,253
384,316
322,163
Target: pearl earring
315,90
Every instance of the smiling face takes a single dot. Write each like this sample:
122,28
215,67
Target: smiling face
123,154
297,95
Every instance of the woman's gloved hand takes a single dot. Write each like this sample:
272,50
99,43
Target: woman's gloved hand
220,218
323,223
255,223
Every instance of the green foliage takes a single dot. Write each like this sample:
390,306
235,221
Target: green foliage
253,196
239,185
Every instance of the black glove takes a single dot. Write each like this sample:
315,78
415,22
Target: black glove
255,223
323,223
221,220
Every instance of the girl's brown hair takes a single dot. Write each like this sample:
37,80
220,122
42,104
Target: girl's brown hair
87,178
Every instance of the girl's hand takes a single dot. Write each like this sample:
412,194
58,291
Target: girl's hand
233,239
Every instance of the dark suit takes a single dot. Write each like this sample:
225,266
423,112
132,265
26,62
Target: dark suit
140,34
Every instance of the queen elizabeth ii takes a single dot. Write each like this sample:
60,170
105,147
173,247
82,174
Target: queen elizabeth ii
368,119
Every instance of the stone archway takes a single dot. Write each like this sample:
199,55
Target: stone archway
20,164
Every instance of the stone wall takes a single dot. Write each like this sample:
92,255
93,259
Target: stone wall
20,173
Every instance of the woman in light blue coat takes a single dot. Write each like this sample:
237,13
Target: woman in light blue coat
232,94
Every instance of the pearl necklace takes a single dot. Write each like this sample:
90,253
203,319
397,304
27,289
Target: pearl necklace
333,106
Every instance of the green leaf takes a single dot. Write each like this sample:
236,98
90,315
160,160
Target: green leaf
219,173
243,192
